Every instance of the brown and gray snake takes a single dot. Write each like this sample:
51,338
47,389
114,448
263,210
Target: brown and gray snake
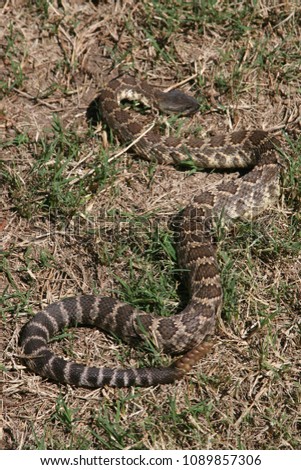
189,332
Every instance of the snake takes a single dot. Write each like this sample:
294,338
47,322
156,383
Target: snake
189,334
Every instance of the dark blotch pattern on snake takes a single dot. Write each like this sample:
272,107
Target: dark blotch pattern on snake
186,333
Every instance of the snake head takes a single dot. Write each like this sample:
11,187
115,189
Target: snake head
175,101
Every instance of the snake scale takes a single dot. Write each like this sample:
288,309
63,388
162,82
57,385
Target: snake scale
187,333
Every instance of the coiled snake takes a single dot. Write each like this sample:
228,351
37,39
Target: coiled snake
252,151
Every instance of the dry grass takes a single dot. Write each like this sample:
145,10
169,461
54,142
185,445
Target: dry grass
74,220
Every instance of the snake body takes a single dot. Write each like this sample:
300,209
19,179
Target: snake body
188,332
